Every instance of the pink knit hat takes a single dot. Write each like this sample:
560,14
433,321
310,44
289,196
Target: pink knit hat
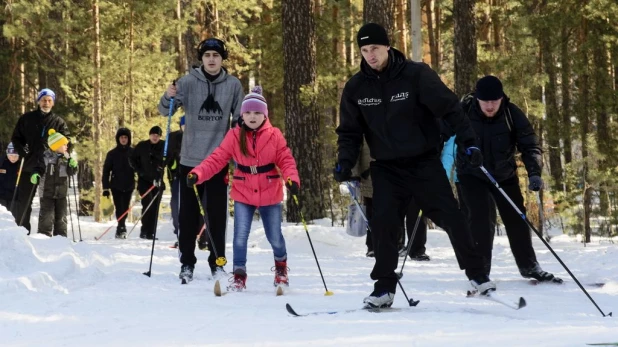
254,101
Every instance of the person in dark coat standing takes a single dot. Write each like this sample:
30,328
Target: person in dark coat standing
394,104
9,170
30,141
119,177
501,128
147,160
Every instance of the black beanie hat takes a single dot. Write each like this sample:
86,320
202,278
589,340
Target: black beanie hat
156,130
372,34
489,88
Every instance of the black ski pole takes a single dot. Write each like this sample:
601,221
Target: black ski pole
154,238
143,213
523,216
21,166
71,216
26,206
302,219
409,246
220,261
411,302
79,227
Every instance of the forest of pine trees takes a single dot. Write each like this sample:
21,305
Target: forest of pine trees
109,61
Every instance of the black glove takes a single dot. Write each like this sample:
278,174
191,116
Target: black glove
342,173
191,180
536,183
106,193
293,187
475,157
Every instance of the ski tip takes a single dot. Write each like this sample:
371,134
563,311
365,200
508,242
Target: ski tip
291,310
522,303
279,291
217,289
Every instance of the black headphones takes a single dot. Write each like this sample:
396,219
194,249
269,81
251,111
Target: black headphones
212,44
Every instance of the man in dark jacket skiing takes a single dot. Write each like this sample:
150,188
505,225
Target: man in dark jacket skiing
501,128
395,104
119,177
211,99
147,160
30,141
9,170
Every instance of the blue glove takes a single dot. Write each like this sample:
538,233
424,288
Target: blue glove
536,183
475,157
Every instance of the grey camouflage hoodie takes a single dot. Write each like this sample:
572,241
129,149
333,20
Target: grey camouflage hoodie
208,107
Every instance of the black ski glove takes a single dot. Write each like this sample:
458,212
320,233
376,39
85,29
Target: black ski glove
293,187
342,173
106,193
191,180
475,157
536,183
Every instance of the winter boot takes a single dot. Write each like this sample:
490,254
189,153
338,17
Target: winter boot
202,242
121,232
379,300
538,274
186,273
218,272
142,235
238,281
370,254
281,273
483,284
420,257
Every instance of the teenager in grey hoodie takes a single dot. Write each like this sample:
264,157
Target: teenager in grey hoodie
211,99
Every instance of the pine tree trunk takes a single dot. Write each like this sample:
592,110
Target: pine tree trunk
131,52
96,116
302,119
551,109
416,33
430,33
584,115
464,46
565,60
402,43
380,12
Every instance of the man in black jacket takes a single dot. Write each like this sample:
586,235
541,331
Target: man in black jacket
501,128
395,104
147,160
30,141
119,176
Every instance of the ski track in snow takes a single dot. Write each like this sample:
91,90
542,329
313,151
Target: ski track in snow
54,292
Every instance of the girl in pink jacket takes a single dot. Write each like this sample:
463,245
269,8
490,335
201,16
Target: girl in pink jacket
262,158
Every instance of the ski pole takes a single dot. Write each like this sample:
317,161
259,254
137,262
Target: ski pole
124,214
71,216
302,219
409,246
411,302
23,214
523,216
144,213
79,227
220,261
154,238
21,166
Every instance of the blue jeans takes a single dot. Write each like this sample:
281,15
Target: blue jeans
175,203
271,219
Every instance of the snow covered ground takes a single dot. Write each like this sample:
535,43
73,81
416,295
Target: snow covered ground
57,293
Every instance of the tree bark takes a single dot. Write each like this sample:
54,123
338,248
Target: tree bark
584,109
551,108
401,28
565,55
464,46
416,32
302,118
96,116
380,12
